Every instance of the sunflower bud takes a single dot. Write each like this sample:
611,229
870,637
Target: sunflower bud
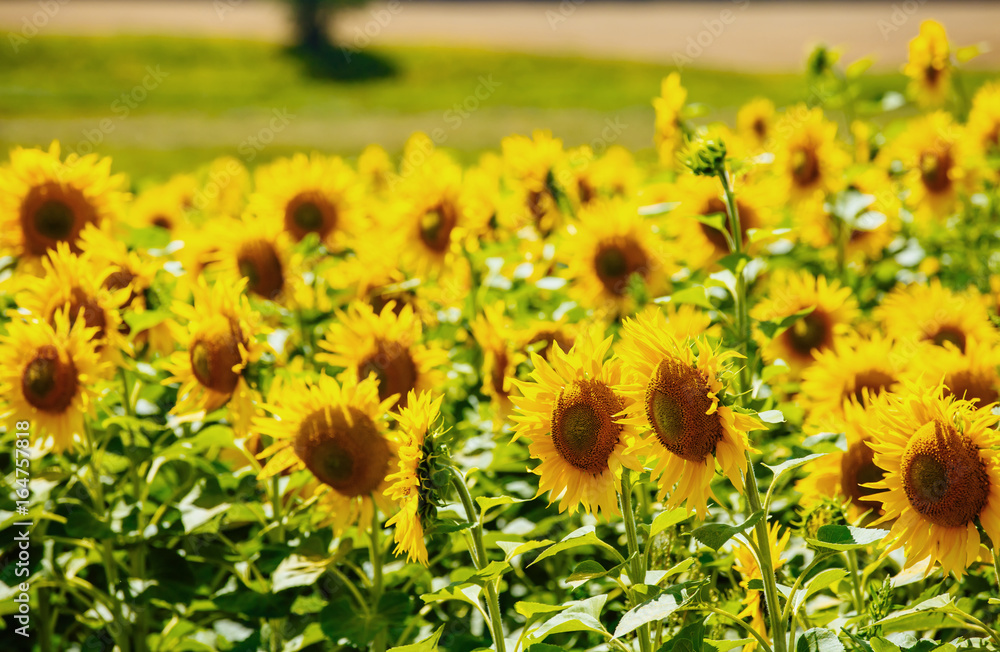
706,158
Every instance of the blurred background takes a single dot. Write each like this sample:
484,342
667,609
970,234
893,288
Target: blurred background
168,85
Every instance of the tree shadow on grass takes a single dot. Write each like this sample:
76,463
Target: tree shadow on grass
343,64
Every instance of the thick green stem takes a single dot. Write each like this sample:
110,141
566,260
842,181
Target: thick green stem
637,571
375,551
762,535
742,313
480,560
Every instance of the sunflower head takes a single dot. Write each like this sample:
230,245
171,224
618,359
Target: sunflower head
808,156
669,131
755,121
929,66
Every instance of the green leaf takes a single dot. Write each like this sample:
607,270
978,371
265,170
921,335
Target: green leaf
463,592
857,68
773,370
695,295
488,502
297,571
819,639
664,520
492,571
429,644
312,634
529,609
970,52
771,416
583,615
587,570
654,577
845,537
652,610
822,580
772,329
147,238
340,620
658,209
938,603
514,548
790,465
544,647
734,262
715,535
715,220
142,321
726,645
583,536
689,638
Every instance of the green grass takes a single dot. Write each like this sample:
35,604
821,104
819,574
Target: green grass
218,93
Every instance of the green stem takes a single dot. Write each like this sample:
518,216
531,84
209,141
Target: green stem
996,564
138,489
375,551
636,571
858,592
479,558
725,614
804,575
774,610
742,314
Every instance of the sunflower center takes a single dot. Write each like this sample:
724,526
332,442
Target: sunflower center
760,128
436,226
310,212
82,303
586,190
805,166
677,402
162,221
949,334
48,382
259,263
214,352
943,475
547,339
870,382
343,449
810,333
51,213
966,384
119,279
583,427
857,468
934,171
394,368
616,260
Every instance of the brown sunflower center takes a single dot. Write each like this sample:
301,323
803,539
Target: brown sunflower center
805,166
310,212
214,352
759,127
436,226
870,383
934,171
944,477
49,382
81,303
583,427
52,213
546,339
394,368
616,260
969,385
586,190
812,332
258,261
162,221
949,334
119,279
857,468
677,403
343,449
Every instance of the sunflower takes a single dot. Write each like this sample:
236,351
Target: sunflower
124,269
669,130
846,474
309,194
918,313
700,244
569,411
258,251
428,219
930,150
45,201
929,67
387,345
49,376
970,375
942,473
755,122
833,310
339,432
748,568
853,371
807,158
376,168
77,284
495,335
541,336
411,485
612,244
678,395
531,164
982,133
164,206
225,187
480,200
217,344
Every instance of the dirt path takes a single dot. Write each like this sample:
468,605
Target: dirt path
738,34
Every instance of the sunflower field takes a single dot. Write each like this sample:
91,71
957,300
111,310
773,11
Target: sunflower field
741,394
